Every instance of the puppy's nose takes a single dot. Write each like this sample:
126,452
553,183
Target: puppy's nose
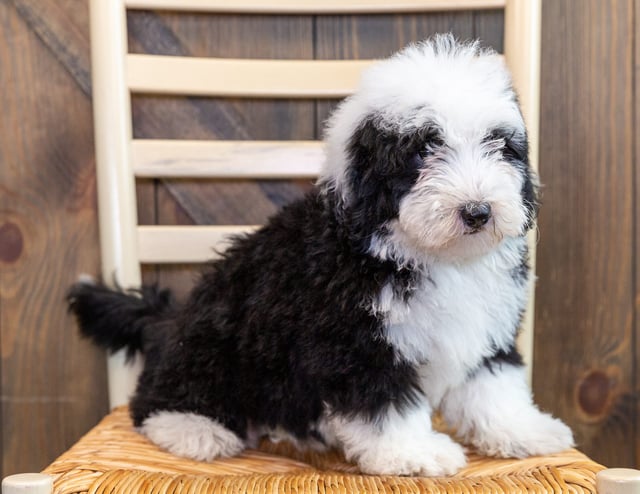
476,214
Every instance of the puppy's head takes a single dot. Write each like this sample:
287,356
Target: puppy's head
429,157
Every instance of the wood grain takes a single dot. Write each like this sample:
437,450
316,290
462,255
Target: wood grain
584,358
242,77
488,27
636,238
62,27
53,384
314,7
146,195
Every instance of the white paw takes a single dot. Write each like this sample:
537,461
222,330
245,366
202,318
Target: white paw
436,456
191,435
534,434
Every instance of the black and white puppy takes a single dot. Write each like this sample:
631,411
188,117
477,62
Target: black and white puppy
393,290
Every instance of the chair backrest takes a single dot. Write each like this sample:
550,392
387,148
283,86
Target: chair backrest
121,159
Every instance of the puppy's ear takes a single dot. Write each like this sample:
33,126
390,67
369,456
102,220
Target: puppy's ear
517,151
531,195
382,167
378,153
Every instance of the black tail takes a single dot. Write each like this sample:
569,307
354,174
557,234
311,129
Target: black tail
115,319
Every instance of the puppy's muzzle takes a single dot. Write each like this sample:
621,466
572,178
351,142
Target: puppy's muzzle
476,214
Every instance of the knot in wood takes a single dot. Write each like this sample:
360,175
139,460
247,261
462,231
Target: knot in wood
11,242
595,393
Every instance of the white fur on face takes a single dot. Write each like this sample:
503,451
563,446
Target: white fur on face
466,172
191,435
466,94
398,444
494,412
429,224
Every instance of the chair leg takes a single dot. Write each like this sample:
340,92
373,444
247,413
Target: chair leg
618,481
28,483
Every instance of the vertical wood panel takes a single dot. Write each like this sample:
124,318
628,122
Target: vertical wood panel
53,384
583,357
635,137
488,27
147,215
62,28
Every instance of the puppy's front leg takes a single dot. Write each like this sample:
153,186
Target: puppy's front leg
398,443
494,411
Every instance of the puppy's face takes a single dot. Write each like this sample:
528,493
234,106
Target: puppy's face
429,157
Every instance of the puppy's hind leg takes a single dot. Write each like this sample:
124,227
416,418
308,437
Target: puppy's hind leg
398,443
495,412
191,435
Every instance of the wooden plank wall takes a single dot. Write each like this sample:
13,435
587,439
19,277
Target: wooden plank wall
584,348
635,211
53,384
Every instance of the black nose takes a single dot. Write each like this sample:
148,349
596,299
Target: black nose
476,214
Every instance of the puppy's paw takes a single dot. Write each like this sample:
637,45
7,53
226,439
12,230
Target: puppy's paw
433,456
535,434
191,435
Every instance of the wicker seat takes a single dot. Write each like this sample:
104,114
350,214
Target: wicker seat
114,458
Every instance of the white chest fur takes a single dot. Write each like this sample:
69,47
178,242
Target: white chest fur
457,316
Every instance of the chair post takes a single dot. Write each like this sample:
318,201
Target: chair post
618,481
28,483
522,55
116,182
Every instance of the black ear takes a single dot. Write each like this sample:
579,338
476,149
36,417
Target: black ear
530,196
383,166
516,152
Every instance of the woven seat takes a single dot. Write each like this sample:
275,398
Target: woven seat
114,458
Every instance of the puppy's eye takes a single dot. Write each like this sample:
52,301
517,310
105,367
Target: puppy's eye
513,145
417,160
430,148
426,152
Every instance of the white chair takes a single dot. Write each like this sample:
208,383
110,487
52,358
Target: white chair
121,159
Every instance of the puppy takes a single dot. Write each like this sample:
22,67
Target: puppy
394,289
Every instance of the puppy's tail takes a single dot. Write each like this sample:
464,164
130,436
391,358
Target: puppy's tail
115,319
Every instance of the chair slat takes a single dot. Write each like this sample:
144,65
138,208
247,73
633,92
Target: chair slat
226,159
314,6
184,244
243,77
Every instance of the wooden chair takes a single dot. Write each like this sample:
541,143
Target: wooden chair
112,457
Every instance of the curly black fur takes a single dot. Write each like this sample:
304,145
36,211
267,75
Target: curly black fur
116,319
273,331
